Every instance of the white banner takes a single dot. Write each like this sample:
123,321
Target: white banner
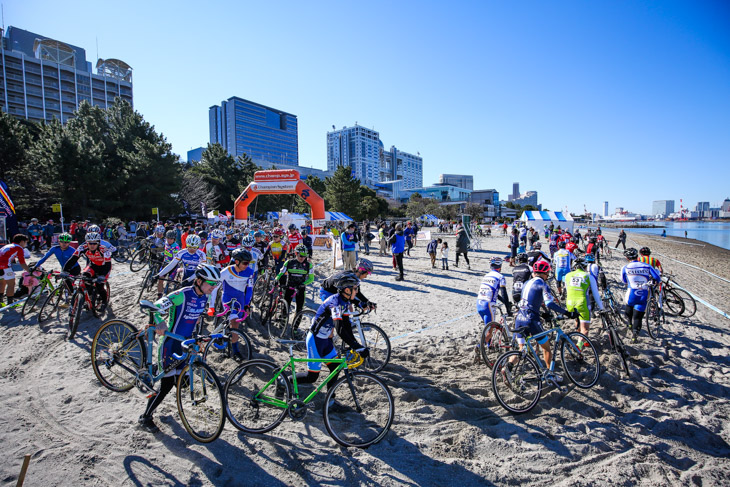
424,235
319,223
274,186
336,252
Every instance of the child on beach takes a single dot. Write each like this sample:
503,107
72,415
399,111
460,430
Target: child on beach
431,250
444,254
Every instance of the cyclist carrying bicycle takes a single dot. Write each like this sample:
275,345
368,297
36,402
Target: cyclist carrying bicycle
298,273
99,260
492,288
638,276
8,253
182,309
562,260
521,273
646,258
580,285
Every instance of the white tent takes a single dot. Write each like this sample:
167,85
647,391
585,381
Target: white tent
337,216
431,219
538,220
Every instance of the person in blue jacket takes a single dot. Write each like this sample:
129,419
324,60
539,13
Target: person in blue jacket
397,244
349,242
63,252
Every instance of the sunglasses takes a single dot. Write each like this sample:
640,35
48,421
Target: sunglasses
211,283
244,263
92,243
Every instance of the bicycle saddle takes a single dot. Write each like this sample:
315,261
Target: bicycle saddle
148,305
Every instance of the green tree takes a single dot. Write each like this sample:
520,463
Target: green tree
343,192
15,168
222,173
319,187
475,210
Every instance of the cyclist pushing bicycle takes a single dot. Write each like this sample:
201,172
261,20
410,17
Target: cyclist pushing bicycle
363,270
296,274
183,308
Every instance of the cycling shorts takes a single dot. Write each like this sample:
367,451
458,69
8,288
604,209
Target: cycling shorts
581,306
319,348
484,308
533,327
239,296
560,274
637,298
8,274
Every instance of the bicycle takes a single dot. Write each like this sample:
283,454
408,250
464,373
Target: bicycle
610,303
60,294
259,395
45,285
275,312
123,357
219,353
614,340
654,315
85,297
141,256
123,252
518,376
262,285
371,336
494,339
670,286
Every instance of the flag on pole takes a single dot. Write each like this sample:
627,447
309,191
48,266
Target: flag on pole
228,213
7,209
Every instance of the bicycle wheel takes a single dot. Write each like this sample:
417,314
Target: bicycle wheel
581,366
653,318
517,386
278,320
219,354
359,410
74,314
50,305
616,343
98,305
379,345
259,291
31,302
493,342
121,255
673,303
117,353
140,258
248,405
300,326
200,402
690,306
147,283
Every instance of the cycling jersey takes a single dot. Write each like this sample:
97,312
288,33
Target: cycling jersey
535,255
98,257
189,260
257,256
297,273
578,284
489,288
330,317
561,262
232,244
571,247
520,275
637,275
276,250
648,259
215,253
62,255
170,252
9,252
294,240
535,293
327,288
235,285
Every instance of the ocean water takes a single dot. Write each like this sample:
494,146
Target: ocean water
716,233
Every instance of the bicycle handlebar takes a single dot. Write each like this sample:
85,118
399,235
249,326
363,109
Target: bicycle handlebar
191,341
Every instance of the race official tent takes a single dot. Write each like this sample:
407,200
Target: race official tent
538,220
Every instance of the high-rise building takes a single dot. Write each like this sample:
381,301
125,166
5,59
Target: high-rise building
703,206
361,149
528,198
264,134
458,180
605,208
43,79
195,154
662,207
515,192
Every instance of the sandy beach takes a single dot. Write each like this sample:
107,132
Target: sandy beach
668,425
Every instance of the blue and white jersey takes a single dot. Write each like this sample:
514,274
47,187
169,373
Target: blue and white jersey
562,260
535,292
489,289
238,285
331,310
189,260
637,274
257,256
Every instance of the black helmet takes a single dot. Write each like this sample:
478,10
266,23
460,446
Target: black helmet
631,253
171,234
241,255
292,226
645,251
522,258
561,244
580,263
347,280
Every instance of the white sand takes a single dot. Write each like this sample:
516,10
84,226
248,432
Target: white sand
668,426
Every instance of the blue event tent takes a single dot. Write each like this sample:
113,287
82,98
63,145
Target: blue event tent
538,219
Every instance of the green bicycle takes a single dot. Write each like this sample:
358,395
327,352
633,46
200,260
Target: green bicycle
39,293
259,395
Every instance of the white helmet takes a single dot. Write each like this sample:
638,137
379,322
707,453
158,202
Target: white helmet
159,229
208,272
216,234
193,241
93,237
94,229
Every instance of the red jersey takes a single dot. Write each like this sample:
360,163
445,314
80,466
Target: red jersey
294,240
564,238
9,252
99,257
570,247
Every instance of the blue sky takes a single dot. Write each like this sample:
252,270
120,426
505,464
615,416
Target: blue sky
582,101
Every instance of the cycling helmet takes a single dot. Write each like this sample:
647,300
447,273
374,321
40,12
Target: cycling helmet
303,230
241,255
65,237
216,234
301,250
170,234
255,226
203,235
34,219
230,231
645,251
208,272
537,246
561,244
93,237
159,229
259,233
589,258
347,280
521,258
93,228
495,263
247,241
278,232
365,265
580,262
292,227
193,241
541,266
631,253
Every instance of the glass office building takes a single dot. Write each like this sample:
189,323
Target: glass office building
265,134
43,79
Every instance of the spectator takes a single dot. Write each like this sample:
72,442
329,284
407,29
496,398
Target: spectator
48,230
462,246
408,233
444,253
431,249
349,241
398,243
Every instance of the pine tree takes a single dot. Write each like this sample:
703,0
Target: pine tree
343,192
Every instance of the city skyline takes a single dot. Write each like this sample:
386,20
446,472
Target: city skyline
503,93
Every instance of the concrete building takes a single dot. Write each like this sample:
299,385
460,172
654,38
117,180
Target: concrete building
361,149
441,193
458,180
515,192
265,134
195,154
489,199
662,208
43,79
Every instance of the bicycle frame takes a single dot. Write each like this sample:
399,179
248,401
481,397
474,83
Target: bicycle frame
560,335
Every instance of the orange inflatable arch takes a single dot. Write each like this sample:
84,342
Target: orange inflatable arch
279,181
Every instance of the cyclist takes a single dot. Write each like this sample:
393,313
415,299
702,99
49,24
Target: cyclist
215,250
331,316
637,275
63,252
105,243
307,240
182,309
562,260
298,272
275,250
99,262
191,257
493,287
535,293
363,270
520,275
646,258
553,242
595,271
232,243
580,284
592,249
294,238
8,253
536,254
168,255
259,243
249,243
572,246
237,283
